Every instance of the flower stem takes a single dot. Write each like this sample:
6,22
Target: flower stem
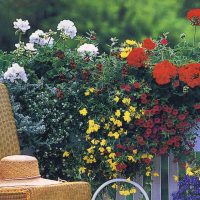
195,32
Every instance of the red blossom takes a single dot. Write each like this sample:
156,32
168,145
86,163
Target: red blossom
190,74
137,85
163,72
149,44
164,41
121,166
126,87
194,16
137,57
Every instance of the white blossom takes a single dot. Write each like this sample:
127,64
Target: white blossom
68,28
15,72
29,47
88,49
21,25
41,38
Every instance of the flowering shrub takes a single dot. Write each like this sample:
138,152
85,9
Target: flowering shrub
94,116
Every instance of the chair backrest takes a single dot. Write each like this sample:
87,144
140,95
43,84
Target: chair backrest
9,143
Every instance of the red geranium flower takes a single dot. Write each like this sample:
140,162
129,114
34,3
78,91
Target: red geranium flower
164,42
137,85
194,16
137,57
149,44
190,74
163,72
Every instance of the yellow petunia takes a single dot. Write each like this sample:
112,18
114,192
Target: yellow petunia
126,101
131,158
112,155
132,109
87,93
118,113
66,154
83,111
127,116
91,90
108,149
116,99
101,149
131,42
82,170
155,174
103,142
175,178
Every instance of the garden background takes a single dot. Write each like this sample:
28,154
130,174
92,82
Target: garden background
108,18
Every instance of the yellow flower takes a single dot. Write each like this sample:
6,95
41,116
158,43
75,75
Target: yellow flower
133,191
131,42
156,174
126,101
114,186
116,135
116,99
103,142
108,149
175,178
82,170
92,127
66,154
148,173
118,113
112,155
124,192
137,116
83,112
135,151
91,90
124,54
87,93
128,179
132,109
101,149
106,126
127,116
95,142
189,171
130,158
118,123
142,111
91,149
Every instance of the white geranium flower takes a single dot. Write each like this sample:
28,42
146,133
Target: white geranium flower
21,25
41,38
68,28
88,49
15,72
29,47
17,45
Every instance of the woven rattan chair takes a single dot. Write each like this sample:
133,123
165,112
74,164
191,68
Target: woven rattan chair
9,145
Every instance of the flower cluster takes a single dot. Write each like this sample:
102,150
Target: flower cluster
15,73
189,188
190,74
88,50
68,28
41,38
163,72
137,57
21,25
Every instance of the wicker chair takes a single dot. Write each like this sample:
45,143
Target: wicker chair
9,145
